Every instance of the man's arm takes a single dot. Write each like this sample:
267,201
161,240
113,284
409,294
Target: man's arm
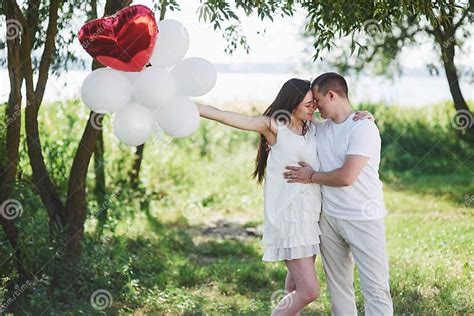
344,176
341,177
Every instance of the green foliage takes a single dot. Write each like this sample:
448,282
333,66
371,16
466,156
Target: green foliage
328,21
165,248
421,140
376,38
3,290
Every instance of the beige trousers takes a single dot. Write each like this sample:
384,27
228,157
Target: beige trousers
364,241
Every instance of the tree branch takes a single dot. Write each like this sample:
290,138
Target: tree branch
48,51
32,17
43,183
461,19
8,173
163,5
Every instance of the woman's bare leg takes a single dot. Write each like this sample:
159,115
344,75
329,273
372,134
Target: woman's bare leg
290,284
307,287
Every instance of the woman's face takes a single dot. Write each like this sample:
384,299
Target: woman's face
304,111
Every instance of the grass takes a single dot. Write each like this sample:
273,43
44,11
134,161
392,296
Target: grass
180,244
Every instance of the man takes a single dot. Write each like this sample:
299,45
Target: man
352,219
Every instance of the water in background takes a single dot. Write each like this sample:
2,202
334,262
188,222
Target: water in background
255,87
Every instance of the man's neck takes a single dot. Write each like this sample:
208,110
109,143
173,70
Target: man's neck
342,115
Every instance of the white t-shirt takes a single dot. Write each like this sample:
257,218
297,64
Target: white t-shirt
363,200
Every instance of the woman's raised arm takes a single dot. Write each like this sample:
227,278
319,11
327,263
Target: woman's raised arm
259,123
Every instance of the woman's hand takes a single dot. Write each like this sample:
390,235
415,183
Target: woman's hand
363,115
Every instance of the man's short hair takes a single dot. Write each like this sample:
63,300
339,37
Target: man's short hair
331,81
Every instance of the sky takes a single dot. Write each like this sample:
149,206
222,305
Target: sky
269,47
270,42
277,42
280,42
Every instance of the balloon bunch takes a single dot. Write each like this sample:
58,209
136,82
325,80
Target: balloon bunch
141,96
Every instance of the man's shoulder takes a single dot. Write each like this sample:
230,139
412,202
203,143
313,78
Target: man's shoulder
318,123
364,125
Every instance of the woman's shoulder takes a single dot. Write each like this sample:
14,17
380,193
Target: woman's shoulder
278,125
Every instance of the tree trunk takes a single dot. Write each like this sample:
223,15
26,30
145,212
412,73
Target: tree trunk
9,165
100,187
447,52
42,180
99,161
447,41
134,175
76,202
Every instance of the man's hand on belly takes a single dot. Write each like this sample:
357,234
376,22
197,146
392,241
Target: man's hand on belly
341,177
301,174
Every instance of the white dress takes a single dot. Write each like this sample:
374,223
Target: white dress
291,229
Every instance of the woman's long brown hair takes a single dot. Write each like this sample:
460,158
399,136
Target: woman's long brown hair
291,94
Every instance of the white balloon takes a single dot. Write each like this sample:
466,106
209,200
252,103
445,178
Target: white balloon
171,44
180,118
134,124
153,87
131,75
106,90
194,76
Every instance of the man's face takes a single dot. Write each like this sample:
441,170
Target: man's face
323,103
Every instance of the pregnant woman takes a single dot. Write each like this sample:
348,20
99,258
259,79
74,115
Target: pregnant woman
291,231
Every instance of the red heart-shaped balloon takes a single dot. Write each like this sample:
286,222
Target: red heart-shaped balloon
123,41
